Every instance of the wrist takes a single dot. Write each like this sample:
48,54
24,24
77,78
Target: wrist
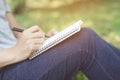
14,56
20,53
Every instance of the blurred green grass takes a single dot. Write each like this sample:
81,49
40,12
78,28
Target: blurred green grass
103,17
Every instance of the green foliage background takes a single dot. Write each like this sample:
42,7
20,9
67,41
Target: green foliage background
100,15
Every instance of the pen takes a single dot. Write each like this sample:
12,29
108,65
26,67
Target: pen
17,29
21,30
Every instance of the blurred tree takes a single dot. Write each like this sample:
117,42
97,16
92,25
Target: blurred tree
18,6
52,4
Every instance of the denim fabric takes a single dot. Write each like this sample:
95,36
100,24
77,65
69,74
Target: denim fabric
84,51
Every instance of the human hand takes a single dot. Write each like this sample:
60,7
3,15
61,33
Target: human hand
51,33
29,42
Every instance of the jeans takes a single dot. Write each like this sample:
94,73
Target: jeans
84,51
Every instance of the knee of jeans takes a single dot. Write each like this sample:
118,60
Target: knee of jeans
87,33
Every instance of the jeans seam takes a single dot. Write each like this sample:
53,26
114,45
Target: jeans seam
87,68
103,69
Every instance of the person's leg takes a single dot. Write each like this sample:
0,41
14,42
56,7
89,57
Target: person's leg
84,51
106,62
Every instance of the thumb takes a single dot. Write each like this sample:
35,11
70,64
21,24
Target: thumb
33,29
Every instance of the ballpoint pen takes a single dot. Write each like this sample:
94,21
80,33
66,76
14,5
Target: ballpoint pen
21,30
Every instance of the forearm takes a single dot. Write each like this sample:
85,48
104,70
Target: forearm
13,23
7,57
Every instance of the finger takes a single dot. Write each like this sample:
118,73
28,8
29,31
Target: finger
37,35
34,29
39,41
52,32
34,48
35,41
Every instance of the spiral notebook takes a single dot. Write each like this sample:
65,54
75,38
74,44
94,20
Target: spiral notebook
59,37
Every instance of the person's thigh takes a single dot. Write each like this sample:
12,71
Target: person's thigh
58,63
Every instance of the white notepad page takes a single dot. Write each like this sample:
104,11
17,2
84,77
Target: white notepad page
59,37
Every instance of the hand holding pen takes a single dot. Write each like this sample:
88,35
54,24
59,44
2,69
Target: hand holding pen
21,30
30,41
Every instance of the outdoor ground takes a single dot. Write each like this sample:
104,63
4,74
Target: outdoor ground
102,16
